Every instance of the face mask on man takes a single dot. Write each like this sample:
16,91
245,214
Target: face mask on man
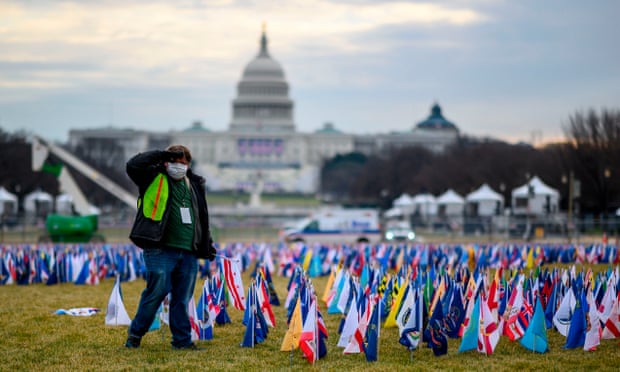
176,170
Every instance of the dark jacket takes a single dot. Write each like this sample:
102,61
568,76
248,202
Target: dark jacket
146,232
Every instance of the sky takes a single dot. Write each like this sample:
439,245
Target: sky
511,70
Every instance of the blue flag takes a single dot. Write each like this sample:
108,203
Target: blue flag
438,339
316,266
83,275
535,337
551,306
273,296
256,327
470,337
222,317
455,317
204,320
156,323
249,336
577,330
372,334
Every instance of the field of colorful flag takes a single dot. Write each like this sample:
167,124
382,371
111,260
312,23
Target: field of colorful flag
475,294
89,263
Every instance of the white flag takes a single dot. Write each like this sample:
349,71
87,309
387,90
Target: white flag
116,313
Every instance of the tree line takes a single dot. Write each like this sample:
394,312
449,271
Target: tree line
591,153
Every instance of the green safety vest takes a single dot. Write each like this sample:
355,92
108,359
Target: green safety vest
155,198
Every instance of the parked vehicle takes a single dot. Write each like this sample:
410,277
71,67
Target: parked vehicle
336,226
401,232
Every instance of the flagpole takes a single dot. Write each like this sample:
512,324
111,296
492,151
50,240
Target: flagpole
378,324
290,356
316,320
316,329
252,309
118,299
534,348
116,296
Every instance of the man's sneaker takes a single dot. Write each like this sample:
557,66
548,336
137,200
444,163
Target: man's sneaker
133,342
191,346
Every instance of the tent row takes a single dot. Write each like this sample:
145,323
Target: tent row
36,202
534,197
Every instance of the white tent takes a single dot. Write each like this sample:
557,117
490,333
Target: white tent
404,203
535,197
64,204
484,202
425,205
450,203
8,202
403,200
38,201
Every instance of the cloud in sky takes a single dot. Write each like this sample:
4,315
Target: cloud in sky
498,68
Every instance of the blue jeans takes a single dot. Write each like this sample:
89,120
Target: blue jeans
167,271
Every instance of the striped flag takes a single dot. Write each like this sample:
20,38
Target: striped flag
234,283
612,325
262,294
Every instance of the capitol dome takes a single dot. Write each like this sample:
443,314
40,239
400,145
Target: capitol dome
262,102
436,120
263,66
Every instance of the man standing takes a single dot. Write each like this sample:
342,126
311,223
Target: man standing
172,228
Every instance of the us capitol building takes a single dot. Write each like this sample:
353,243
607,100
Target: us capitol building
261,145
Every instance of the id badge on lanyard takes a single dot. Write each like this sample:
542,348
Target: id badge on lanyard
186,217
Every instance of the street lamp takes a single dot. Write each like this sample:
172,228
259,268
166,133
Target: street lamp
606,177
569,216
574,192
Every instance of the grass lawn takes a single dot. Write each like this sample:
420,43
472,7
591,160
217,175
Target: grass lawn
34,338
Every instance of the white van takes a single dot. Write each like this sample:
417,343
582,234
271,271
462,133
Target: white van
336,226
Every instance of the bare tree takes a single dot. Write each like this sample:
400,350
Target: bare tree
593,153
